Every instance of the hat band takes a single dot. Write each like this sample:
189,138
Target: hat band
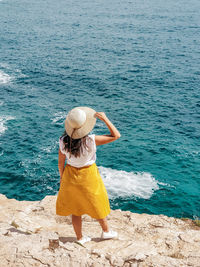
73,132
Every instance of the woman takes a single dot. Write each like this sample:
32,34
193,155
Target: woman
81,188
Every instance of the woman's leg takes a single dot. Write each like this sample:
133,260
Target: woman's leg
104,224
77,224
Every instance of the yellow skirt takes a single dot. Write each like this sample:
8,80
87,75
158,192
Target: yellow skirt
82,191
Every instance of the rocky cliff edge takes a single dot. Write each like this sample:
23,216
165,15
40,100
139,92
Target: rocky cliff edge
32,235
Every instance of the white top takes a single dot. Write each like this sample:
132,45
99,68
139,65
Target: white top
87,158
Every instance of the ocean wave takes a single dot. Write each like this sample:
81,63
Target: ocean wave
4,78
3,120
49,149
9,73
59,118
128,184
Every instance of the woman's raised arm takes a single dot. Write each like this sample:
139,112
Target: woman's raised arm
114,133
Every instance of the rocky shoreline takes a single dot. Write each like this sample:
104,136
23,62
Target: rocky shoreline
32,235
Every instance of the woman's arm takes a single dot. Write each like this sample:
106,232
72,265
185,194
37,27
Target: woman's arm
114,133
61,163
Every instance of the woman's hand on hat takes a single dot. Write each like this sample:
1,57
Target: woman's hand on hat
106,138
101,116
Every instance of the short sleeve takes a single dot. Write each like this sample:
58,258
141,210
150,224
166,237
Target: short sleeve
61,146
91,143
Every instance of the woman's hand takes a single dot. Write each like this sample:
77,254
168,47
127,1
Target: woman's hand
114,133
61,163
101,115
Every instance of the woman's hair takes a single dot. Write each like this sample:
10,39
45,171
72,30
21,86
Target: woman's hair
74,146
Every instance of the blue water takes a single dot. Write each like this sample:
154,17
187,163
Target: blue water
138,61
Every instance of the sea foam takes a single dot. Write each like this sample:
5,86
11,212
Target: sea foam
4,78
3,120
59,118
9,73
128,184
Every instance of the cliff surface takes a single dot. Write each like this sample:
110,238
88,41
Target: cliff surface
32,235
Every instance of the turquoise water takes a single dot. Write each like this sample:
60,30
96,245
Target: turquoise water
138,61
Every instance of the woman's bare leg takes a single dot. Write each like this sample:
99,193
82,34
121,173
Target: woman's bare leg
104,224
77,224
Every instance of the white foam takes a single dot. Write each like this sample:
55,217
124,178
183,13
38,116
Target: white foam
59,118
3,120
19,73
50,188
4,78
13,73
49,149
128,184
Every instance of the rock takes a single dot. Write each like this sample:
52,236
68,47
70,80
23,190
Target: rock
32,235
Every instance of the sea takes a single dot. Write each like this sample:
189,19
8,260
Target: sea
136,60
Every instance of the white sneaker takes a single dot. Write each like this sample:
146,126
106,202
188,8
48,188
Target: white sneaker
83,240
109,235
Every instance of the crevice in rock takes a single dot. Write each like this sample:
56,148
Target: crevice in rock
32,257
12,229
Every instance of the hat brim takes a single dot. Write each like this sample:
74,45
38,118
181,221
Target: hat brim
87,126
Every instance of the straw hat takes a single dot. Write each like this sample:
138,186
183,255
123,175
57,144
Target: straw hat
79,122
